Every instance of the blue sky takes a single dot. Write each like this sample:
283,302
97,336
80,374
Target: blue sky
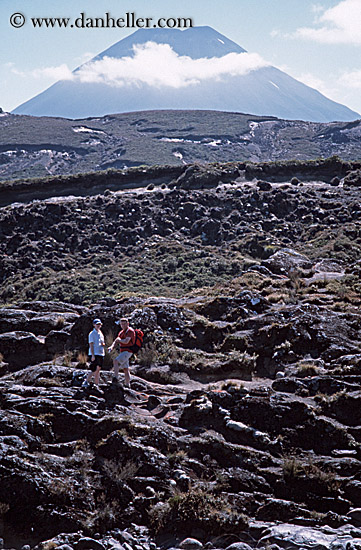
317,42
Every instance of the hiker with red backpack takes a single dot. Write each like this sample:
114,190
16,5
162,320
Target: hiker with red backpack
130,341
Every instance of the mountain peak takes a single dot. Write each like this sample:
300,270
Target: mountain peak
155,78
195,42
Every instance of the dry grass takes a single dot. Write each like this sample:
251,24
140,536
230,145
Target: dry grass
196,509
117,473
49,382
4,507
277,297
294,468
307,369
60,323
148,355
82,358
67,359
177,457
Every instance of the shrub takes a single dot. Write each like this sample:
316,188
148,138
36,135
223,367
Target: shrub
60,322
105,516
196,509
177,457
48,382
294,469
4,507
67,359
307,369
117,473
147,355
82,358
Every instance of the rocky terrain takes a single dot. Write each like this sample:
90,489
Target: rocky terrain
43,146
241,428
206,225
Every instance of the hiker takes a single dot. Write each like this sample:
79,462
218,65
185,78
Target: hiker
125,339
96,352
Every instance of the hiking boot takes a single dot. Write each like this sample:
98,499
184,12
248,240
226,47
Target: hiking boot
97,391
115,380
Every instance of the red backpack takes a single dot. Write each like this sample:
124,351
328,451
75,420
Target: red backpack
138,342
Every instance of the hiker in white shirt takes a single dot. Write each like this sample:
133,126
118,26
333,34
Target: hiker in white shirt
96,352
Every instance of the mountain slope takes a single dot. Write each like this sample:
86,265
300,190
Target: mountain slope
196,42
41,146
262,91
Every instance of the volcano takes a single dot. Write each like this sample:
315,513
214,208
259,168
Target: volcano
115,81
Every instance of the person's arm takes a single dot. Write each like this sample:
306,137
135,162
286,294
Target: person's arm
91,345
128,339
113,344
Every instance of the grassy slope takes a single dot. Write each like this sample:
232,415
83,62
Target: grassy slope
133,139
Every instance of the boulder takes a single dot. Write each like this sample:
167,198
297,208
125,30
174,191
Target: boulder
285,261
294,537
353,491
355,516
21,349
190,544
87,543
199,177
44,323
56,341
238,546
12,319
264,185
210,230
353,178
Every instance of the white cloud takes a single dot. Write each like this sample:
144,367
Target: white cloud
86,56
317,8
340,24
61,72
276,33
155,65
158,65
352,79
